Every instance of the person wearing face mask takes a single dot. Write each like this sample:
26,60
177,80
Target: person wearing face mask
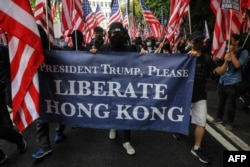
119,42
164,47
149,47
62,43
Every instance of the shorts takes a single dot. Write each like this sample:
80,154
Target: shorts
198,112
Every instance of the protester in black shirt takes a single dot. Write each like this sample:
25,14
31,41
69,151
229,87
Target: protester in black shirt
118,42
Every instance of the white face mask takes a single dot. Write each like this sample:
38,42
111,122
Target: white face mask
149,43
63,44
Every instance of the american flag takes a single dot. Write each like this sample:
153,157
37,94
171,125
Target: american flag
115,15
178,10
26,55
72,15
133,28
53,9
246,23
245,5
139,31
89,19
126,15
151,20
44,18
99,15
147,32
163,23
222,27
72,18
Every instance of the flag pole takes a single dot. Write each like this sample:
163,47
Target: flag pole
143,14
229,31
189,20
75,28
246,39
47,21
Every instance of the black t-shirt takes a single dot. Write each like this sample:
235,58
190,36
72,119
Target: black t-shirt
124,48
202,70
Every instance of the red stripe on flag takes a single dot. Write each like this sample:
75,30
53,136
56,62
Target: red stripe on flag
26,55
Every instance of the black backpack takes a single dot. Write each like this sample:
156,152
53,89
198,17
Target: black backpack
245,70
244,85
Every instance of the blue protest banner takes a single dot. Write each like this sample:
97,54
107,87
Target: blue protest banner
117,90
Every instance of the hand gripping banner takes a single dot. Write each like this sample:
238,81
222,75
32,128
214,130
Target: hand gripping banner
117,90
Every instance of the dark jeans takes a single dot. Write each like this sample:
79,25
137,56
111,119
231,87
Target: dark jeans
227,101
7,131
126,135
5,119
42,134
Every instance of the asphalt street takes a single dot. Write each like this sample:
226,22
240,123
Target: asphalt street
86,147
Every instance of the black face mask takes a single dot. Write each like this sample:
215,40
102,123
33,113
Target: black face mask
197,45
117,40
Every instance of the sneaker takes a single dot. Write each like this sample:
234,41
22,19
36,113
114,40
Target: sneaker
112,134
22,147
129,148
177,136
59,137
41,153
199,154
217,121
229,127
3,158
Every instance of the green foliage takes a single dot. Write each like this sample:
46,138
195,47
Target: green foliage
32,3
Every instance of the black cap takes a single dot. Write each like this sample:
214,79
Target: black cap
98,30
197,35
236,37
116,27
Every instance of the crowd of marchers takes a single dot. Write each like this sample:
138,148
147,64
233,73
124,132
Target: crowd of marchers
228,70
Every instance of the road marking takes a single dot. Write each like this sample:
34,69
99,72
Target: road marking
233,138
220,139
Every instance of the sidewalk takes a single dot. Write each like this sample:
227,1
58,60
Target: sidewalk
240,135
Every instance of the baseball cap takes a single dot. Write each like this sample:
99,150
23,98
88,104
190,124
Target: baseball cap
116,27
196,36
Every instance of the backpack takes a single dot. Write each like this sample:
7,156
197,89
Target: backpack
244,85
245,73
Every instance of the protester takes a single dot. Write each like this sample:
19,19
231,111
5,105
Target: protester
198,110
182,46
149,47
118,42
77,40
7,131
62,43
138,44
98,39
42,127
164,47
229,82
